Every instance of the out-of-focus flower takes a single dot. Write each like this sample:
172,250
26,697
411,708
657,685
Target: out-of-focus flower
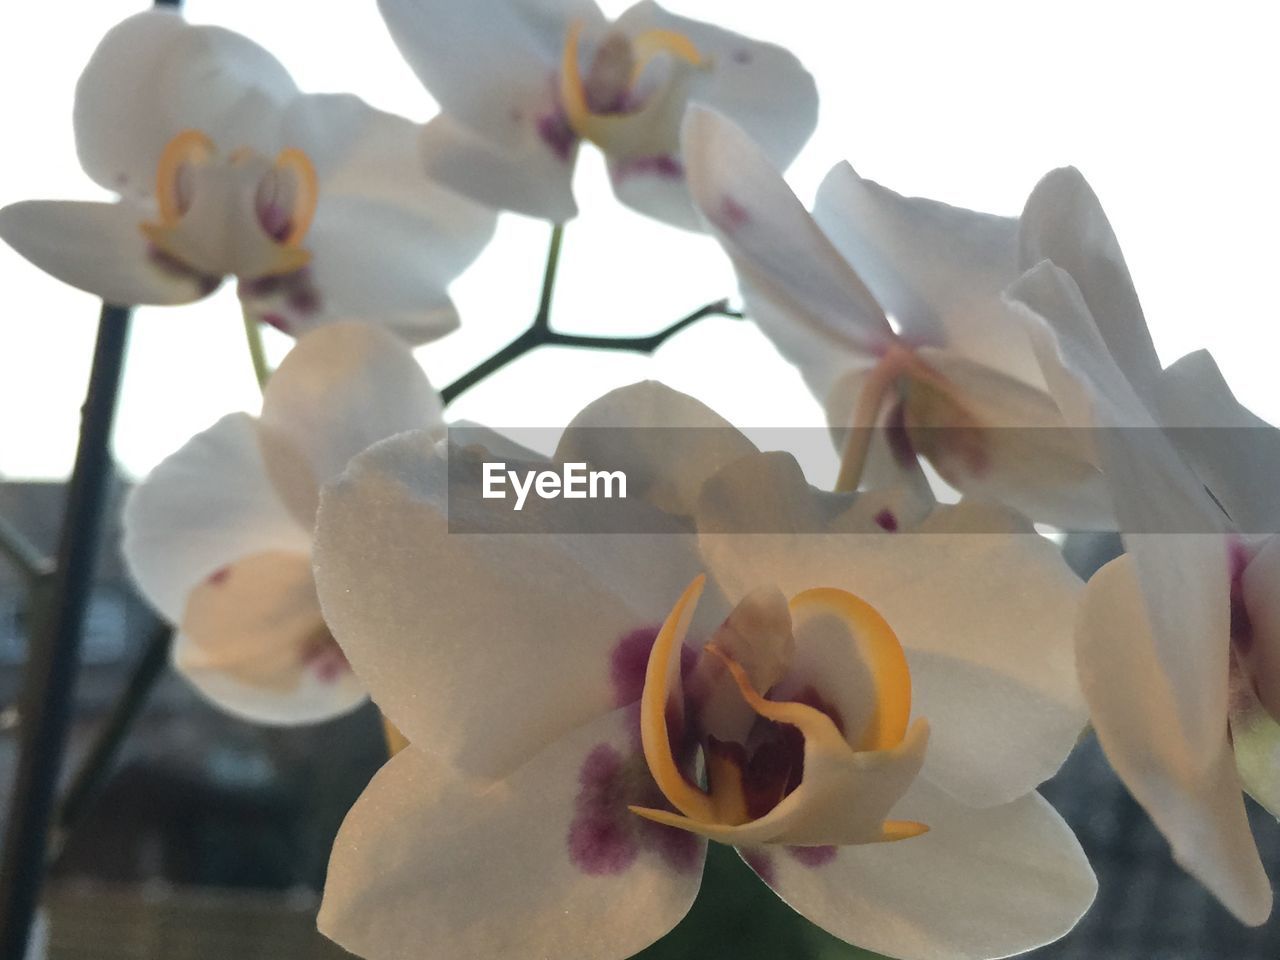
317,204
1178,641
956,381
523,82
584,708
218,537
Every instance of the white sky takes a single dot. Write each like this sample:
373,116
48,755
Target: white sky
1168,109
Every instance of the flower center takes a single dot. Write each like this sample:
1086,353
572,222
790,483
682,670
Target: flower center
925,417
241,214
786,770
617,105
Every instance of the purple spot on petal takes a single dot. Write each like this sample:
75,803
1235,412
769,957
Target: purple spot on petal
886,521
556,133
742,56
731,214
601,837
218,577
679,849
324,658
759,861
628,664
813,857
659,165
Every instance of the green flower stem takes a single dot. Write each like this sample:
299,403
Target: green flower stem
253,336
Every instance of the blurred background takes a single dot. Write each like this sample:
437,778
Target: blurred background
211,837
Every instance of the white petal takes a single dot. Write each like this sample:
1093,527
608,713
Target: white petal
382,263
120,116
341,389
760,86
797,286
1235,453
489,63
548,863
1163,511
223,83
1028,459
99,248
655,186
204,507
937,269
985,618
524,176
1192,794
253,641
1064,222
979,884
666,442
483,647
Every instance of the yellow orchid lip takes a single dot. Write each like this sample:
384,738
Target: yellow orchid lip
729,801
190,230
636,53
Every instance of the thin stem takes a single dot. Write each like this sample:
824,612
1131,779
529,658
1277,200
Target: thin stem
253,336
53,658
542,320
22,553
101,757
540,336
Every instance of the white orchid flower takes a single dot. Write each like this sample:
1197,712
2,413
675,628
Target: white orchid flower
522,82
585,709
1179,639
218,537
317,204
955,381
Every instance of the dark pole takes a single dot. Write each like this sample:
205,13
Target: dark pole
53,656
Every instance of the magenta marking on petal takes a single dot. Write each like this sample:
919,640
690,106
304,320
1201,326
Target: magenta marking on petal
679,849
813,857
601,837
661,165
554,130
218,577
731,215
759,861
628,664
325,659
886,521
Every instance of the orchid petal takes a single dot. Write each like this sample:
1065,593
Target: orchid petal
937,269
802,292
1021,453
525,630
525,177
1064,222
99,248
1192,793
252,640
121,124
548,862
204,507
999,613
1166,517
1236,453
1258,650
979,884
338,391
760,86
1255,740
223,83
379,262
666,442
489,63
